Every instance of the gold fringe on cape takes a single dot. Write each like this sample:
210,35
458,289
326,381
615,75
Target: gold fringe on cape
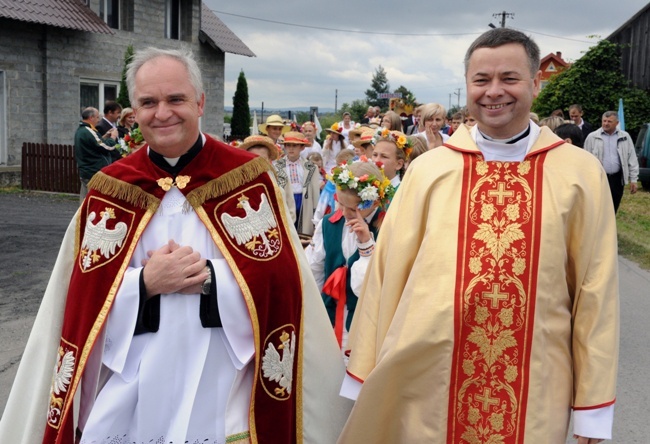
124,191
229,181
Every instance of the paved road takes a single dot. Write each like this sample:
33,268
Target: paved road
33,226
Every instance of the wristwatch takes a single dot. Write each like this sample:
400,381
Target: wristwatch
207,284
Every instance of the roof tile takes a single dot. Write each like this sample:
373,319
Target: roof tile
71,14
219,35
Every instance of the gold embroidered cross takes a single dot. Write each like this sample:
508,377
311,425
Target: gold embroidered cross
487,399
501,193
496,295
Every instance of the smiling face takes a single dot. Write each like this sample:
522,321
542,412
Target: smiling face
500,89
274,132
435,123
166,107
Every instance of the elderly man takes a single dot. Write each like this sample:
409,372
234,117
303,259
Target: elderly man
92,151
615,150
496,312
190,313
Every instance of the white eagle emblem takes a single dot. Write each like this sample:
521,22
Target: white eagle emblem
61,379
256,224
278,369
98,237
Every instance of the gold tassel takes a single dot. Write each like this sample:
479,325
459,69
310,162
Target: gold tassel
229,181
124,191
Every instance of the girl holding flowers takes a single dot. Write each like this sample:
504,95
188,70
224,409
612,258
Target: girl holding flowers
392,150
344,240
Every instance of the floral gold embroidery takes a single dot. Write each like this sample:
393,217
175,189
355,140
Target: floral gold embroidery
491,353
182,181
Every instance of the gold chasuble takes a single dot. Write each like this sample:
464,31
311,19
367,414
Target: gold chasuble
496,310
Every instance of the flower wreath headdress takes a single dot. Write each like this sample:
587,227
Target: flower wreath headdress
398,138
306,124
368,187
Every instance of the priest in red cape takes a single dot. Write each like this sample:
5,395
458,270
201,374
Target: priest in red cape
181,307
490,310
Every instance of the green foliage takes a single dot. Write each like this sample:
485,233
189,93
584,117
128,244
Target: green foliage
241,115
596,82
357,109
123,96
379,84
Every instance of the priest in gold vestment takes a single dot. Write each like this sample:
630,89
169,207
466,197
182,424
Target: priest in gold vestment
490,311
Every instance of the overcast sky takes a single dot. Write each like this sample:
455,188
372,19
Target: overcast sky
298,66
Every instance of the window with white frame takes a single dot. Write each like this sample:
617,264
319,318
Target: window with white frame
96,92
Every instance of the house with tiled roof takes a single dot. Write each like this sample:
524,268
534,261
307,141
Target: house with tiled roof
60,56
550,65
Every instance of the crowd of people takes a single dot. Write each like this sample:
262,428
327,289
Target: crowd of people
433,279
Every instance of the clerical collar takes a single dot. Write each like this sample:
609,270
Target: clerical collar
175,165
513,150
511,140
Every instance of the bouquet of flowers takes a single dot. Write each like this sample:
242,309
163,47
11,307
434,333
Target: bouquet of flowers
131,142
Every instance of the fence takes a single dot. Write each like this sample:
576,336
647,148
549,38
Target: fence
49,167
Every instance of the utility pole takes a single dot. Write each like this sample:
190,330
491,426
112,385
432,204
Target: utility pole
456,93
336,100
503,15
449,100
262,112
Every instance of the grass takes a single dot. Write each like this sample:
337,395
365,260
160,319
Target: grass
633,224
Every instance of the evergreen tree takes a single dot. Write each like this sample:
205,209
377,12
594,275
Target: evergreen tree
123,97
241,114
596,82
378,85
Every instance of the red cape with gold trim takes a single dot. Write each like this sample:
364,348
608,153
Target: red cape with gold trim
221,183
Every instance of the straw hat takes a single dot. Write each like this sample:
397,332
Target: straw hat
335,129
266,142
296,138
274,120
366,137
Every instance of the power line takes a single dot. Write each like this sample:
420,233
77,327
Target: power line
386,33
344,30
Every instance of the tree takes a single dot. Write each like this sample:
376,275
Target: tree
378,85
241,114
596,82
357,109
123,96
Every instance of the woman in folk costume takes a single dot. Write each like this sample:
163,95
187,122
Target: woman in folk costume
308,129
392,149
264,147
346,125
344,240
303,178
334,143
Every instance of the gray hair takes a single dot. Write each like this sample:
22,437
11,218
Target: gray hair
87,113
503,36
184,56
611,114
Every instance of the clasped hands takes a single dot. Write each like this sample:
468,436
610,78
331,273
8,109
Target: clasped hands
174,269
